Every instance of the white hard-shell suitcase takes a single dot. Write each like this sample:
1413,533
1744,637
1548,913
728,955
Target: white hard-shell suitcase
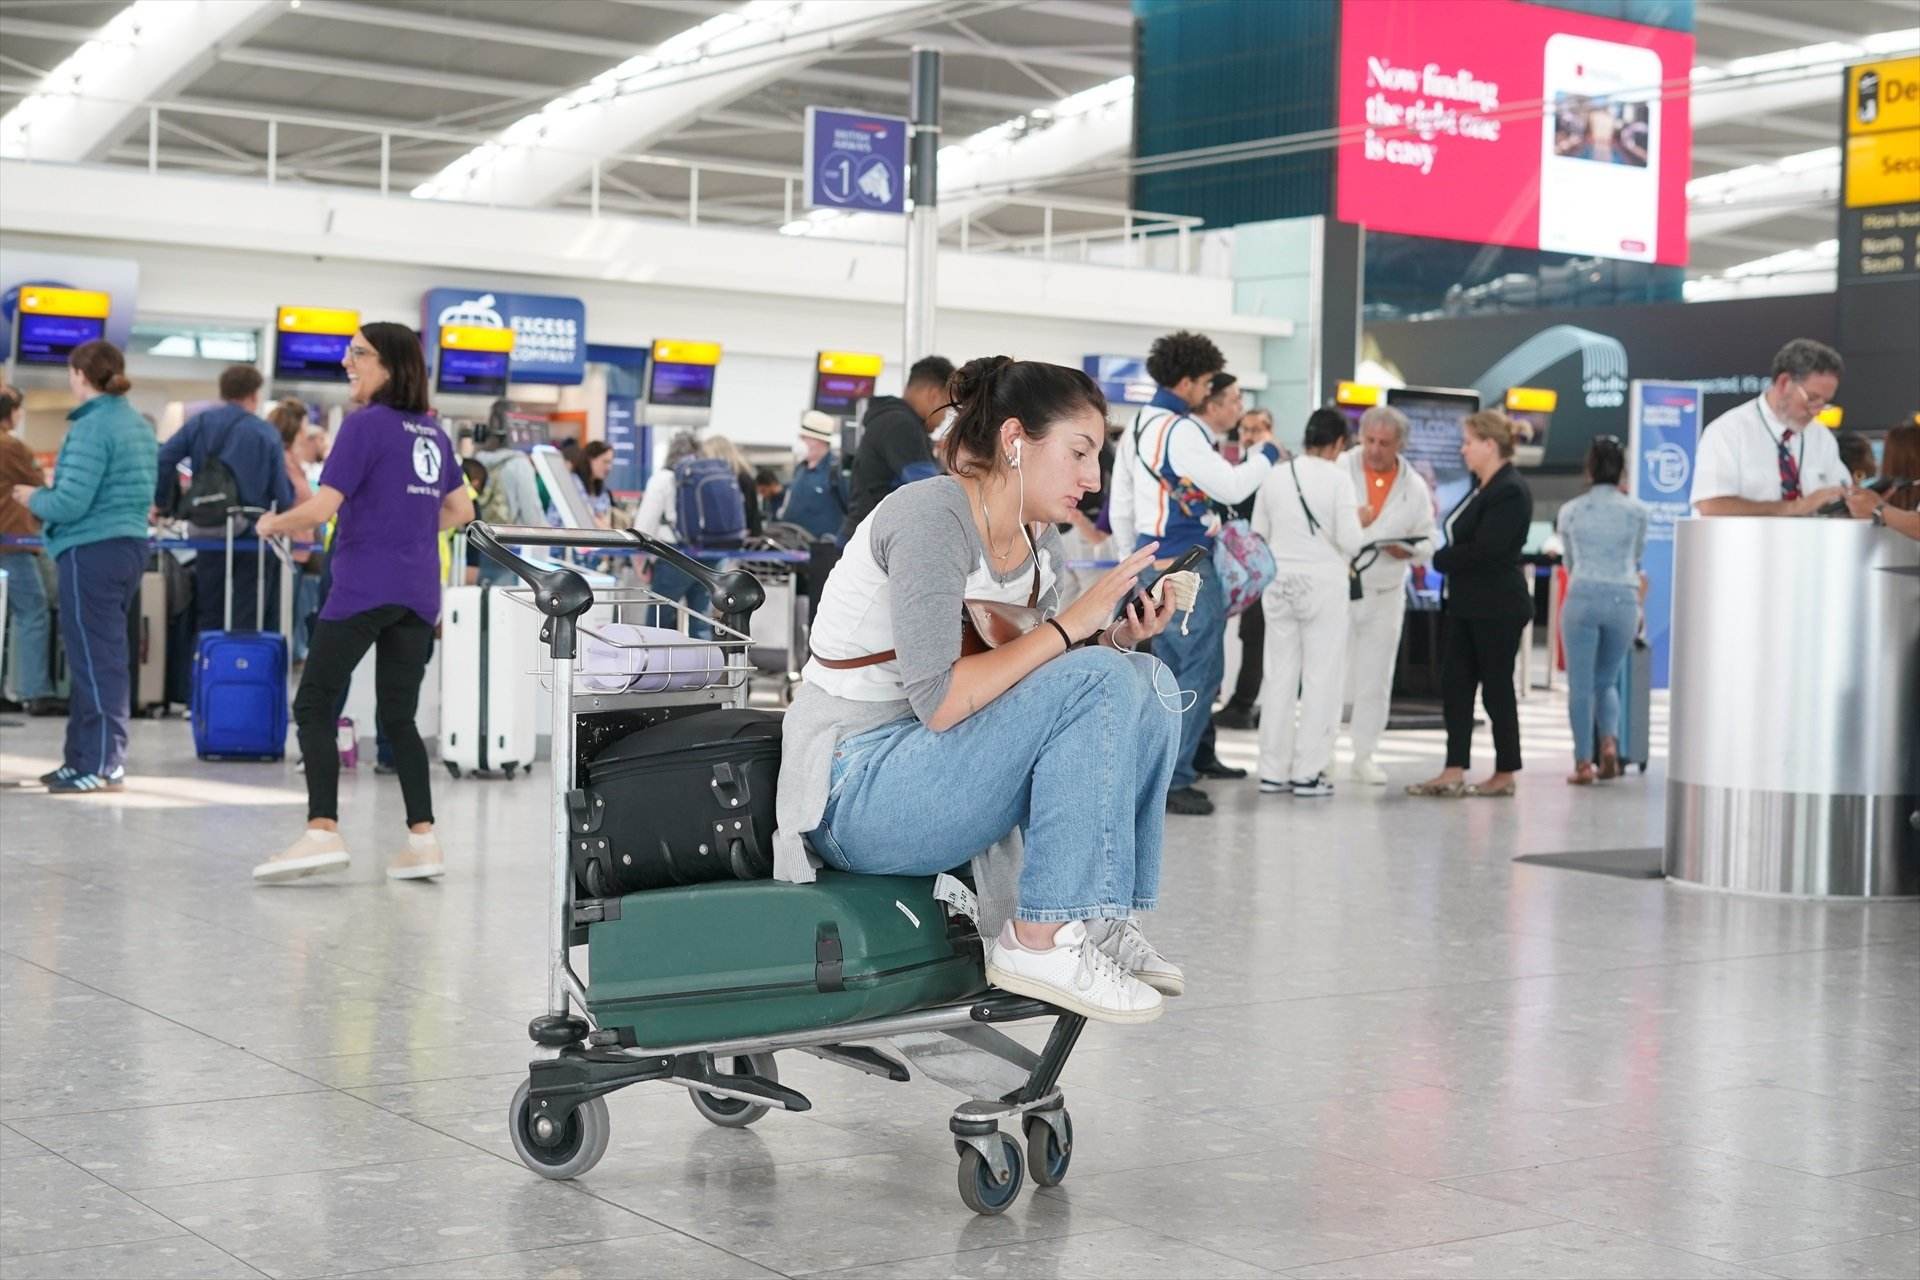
489,652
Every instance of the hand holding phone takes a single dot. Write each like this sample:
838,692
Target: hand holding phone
1190,560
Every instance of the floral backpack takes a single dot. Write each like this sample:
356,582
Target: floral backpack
1245,564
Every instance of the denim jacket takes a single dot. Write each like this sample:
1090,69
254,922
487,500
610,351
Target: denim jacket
1604,534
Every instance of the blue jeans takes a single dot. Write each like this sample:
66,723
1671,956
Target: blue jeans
29,620
1198,660
1077,756
99,582
670,583
1596,625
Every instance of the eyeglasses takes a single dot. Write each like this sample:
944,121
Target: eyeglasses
358,352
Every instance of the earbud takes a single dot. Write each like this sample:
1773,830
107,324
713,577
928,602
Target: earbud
1014,457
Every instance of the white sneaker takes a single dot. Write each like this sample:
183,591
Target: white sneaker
1123,940
422,859
1365,770
1074,974
313,853
1268,787
1317,785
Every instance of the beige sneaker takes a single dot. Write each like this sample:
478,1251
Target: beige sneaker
420,860
313,853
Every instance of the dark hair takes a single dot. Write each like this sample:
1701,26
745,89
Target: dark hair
399,350
1856,455
475,471
494,430
238,381
1606,460
1175,357
10,402
1219,385
1325,427
583,464
1900,464
766,476
289,418
1804,357
931,371
988,391
102,365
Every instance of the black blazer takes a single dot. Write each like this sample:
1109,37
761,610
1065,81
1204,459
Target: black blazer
1481,560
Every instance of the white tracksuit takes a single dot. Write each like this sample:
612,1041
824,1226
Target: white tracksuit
1374,621
1306,612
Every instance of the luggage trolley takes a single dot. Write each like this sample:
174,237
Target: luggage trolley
558,1118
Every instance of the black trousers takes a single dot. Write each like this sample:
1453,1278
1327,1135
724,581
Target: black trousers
210,591
1481,652
403,643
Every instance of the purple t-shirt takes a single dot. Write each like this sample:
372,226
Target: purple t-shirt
395,470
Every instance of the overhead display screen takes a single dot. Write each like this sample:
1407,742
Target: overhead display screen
1500,122
310,343
474,361
682,386
842,379
51,339
1435,428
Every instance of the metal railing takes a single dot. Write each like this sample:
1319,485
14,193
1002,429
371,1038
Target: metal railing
366,158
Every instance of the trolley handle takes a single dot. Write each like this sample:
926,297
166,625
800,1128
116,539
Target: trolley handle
736,593
559,593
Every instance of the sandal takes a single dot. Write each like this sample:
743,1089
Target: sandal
1444,790
1609,759
1582,775
1504,790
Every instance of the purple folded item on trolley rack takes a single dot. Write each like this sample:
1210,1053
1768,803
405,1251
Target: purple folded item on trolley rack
619,657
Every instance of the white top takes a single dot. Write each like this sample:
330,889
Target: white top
655,518
1738,458
1137,505
1325,547
1407,513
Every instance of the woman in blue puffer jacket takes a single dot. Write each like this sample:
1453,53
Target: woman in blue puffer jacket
95,513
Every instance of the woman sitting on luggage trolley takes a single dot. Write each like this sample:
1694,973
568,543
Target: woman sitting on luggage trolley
906,752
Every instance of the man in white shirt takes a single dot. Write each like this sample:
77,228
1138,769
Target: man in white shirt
1768,457
1395,502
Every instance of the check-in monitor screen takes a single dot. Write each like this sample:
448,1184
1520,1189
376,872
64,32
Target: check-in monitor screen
472,373
310,357
1434,433
48,339
684,386
838,393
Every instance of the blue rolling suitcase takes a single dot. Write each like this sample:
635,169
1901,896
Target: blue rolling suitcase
240,682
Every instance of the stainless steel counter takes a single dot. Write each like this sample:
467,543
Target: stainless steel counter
1795,736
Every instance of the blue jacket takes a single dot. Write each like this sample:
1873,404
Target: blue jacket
101,480
247,444
817,498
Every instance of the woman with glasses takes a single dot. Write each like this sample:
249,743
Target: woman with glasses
392,477
1603,534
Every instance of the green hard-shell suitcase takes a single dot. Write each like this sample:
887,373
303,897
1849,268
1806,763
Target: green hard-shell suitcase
736,959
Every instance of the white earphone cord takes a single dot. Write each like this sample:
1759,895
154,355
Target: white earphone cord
1169,702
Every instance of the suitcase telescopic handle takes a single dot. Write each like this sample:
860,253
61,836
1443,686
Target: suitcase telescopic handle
735,592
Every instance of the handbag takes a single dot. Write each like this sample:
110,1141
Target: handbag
984,625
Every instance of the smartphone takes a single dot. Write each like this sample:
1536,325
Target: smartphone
1189,560
1600,149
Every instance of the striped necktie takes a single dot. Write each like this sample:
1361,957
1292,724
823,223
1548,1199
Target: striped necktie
1789,469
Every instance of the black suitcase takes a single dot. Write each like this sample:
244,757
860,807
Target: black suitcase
683,802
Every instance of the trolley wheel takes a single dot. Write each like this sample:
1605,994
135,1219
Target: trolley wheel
977,1186
510,768
734,1113
1643,766
452,768
1046,1155
577,1146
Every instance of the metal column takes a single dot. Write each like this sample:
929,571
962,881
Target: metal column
923,223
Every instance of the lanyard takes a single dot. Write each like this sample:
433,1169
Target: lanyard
1780,447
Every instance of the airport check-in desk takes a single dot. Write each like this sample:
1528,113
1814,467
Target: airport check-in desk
1794,764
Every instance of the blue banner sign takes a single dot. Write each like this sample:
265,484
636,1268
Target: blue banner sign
549,333
1122,379
856,162
1663,430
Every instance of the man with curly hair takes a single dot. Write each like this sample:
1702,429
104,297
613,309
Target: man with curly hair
1168,475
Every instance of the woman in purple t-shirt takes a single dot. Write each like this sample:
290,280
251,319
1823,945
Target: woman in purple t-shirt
394,481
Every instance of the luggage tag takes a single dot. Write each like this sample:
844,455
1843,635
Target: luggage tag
958,899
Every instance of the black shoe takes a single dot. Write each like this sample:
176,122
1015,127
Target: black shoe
385,768
47,707
1218,769
1189,800
9,707
1237,717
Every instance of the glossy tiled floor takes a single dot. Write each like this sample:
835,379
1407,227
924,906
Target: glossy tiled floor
1403,1055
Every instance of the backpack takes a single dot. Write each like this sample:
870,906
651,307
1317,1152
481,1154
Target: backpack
213,491
1245,564
709,509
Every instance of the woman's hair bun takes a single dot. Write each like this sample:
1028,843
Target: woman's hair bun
974,380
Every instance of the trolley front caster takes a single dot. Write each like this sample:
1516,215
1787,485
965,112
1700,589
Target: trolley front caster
556,1148
736,1113
984,1190
452,768
1049,1147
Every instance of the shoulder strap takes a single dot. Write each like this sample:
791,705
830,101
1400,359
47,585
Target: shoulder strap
1313,526
1033,597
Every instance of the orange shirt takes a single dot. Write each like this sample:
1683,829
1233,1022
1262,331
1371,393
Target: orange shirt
1378,485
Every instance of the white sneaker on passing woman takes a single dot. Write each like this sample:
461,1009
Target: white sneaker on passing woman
1074,974
1123,940
313,853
